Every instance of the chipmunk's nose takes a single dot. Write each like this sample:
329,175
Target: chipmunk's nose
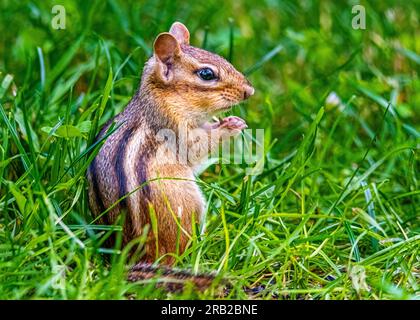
249,91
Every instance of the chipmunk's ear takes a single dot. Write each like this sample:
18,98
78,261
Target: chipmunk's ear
180,32
166,49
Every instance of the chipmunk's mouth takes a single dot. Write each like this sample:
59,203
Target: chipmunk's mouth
230,103
224,105
221,110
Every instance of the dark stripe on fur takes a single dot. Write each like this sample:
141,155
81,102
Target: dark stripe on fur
142,174
119,166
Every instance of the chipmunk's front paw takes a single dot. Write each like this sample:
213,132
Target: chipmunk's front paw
232,124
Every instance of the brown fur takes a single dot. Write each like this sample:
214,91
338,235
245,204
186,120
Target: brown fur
170,94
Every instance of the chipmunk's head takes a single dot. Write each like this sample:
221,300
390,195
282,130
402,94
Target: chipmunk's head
201,81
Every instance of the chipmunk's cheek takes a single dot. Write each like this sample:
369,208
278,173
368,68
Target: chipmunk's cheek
228,96
209,103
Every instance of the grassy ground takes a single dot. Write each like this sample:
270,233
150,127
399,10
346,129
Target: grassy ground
335,213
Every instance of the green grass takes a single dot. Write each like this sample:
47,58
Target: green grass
335,213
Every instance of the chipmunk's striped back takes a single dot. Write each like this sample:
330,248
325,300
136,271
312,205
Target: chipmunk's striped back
120,168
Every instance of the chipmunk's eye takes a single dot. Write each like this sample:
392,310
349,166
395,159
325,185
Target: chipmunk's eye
206,74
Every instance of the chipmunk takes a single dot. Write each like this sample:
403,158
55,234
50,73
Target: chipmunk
181,87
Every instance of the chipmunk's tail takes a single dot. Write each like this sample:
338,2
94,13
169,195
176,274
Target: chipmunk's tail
171,279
